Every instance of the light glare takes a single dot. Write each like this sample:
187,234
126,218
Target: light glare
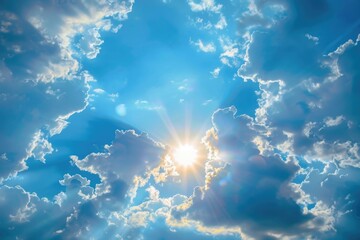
185,155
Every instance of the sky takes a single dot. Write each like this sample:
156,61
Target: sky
180,119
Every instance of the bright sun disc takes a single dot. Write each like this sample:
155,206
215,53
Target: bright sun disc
185,155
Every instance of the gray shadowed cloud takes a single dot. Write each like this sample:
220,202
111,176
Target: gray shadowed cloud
252,190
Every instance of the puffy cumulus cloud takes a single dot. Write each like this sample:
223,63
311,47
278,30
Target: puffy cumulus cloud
152,219
75,213
25,216
123,167
102,212
77,192
31,112
308,99
315,128
307,107
338,190
129,155
274,54
161,230
76,179
147,217
41,82
87,223
280,47
249,190
123,205
87,213
82,212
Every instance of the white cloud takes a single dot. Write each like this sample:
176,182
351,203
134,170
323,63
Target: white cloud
332,122
207,102
46,85
313,115
99,91
204,5
253,9
322,132
230,53
129,155
143,104
309,114
249,188
77,192
221,24
312,38
39,147
204,47
68,180
90,42
19,210
215,73
185,86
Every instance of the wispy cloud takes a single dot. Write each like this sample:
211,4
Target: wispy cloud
204,47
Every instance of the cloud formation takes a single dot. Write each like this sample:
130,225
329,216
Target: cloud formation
289,170
251,190
41,74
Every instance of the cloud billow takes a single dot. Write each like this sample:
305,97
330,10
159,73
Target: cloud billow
251,191
289,172
42,83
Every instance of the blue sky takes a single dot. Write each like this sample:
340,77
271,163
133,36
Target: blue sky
180,119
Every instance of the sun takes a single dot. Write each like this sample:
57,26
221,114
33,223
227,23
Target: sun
185,155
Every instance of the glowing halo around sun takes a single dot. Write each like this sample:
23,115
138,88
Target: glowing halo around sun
185,155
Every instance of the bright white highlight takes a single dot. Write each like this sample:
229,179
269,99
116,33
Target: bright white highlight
185,155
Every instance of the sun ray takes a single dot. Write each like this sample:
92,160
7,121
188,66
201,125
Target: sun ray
168,124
